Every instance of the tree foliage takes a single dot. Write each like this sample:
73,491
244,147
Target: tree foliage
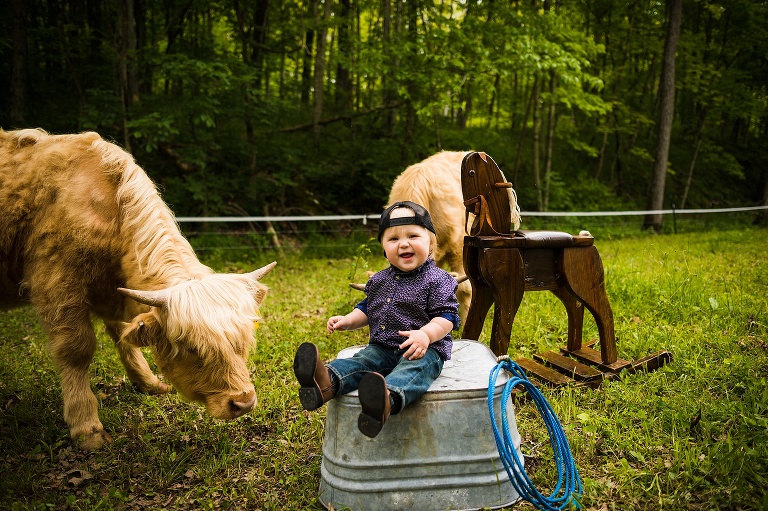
230,107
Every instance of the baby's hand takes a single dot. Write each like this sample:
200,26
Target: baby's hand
336,323
417,344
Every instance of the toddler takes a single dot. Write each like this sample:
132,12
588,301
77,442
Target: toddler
410,307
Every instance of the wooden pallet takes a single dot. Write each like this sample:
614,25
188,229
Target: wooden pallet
583,367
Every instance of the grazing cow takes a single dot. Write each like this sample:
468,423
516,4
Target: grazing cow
84,231
435,183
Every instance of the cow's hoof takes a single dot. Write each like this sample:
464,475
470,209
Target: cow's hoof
93,440
153,388
160,388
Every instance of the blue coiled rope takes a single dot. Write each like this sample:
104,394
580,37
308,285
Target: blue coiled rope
568,480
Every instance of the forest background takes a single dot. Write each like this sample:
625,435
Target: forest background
314,107
311,107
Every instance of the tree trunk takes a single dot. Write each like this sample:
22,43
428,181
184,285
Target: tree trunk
244,31
699,132
550,131
259,31
126,51
762,218
272,233
133,72
356,89
306,66
619,167
343,80
144,68
174,25
387,87
493,106
465,104
520,140
550,139
603,147
666,115
322,33
535,156
66,54
513,103
410,85
18,97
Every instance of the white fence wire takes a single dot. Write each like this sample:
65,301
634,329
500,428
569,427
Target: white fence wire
230,233
375,216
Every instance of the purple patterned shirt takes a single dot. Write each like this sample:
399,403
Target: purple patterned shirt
397,300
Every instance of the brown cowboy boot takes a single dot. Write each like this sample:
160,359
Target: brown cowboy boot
316,387
374,398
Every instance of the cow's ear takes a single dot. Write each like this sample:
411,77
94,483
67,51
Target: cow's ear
141,331
260,294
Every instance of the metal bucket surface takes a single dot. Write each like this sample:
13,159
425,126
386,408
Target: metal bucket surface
438,453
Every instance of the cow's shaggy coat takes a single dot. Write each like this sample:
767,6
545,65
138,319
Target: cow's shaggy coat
435,183
83,232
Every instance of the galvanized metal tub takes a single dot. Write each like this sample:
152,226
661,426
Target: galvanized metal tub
438,454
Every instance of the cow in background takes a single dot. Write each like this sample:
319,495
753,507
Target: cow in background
84,231
435,183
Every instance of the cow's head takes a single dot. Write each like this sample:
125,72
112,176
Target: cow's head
200,332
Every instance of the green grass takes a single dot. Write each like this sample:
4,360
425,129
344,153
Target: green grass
636,440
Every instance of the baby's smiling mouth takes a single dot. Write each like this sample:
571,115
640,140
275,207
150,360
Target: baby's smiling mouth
406,255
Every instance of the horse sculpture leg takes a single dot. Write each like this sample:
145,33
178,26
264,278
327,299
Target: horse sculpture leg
575,311
504,272
482,296
584,276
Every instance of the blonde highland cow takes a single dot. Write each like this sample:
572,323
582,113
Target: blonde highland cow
435,183
83,231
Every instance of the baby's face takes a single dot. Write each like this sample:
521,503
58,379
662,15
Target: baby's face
406,246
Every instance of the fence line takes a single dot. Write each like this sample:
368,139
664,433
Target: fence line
375,216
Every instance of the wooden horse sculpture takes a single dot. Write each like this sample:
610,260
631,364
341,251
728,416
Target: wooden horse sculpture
502,264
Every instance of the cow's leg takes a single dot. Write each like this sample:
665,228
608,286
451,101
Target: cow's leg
464,291
464,296
136,367
73,344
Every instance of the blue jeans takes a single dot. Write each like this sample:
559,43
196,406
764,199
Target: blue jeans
409,379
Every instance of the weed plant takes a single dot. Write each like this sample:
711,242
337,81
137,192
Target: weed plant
691,435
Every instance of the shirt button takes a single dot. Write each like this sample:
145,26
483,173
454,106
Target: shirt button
389,300
383,327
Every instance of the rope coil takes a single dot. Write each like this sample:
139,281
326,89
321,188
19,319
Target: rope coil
568,486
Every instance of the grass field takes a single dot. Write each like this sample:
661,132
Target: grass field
692,435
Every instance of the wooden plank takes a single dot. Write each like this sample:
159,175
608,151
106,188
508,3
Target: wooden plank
542,372
652,362
593,357
568,366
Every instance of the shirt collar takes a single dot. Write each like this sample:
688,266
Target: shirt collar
417,271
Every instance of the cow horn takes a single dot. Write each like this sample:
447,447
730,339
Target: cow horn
359,287
459,278
154,298
261,272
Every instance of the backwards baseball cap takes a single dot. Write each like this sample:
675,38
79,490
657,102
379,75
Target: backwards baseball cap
421,217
